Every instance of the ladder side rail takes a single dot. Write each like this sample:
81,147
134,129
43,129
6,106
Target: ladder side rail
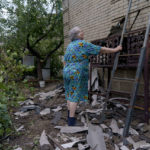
136,83
117,55
146,82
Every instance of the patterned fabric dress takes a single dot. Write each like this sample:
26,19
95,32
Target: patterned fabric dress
75,71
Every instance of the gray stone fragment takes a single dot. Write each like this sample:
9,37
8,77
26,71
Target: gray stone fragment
124,148
45,112
82,147
27,102
20,128
57,117
114,126
95,138
44,143
19,148
57,109
69,145
71,129
21,114
31,107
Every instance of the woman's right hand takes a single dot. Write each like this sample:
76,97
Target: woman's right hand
118,48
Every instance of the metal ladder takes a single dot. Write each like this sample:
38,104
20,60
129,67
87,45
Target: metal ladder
115,63
137,77
118,53
136,82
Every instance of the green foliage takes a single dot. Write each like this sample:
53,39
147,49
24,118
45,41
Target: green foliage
26,26
5,122
11,72
56,64
32,26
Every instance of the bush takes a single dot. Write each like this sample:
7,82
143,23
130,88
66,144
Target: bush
56,64
5,121
11,72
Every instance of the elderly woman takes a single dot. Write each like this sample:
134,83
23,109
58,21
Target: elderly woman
75,71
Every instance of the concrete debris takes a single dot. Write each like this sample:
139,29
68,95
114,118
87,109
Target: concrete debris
120,144
118,98
48,95
95,121
94,75
30,107
94,102
116,147
121,131
104,126
114,126
137,145
82,147
120,121
26,102
20,128
121,106
106,135
45,96
142,144
95,84
101,98
73,139
44,139
69,145
131,141
71,129
57,109
19,148
124,148
64,137
140,125
95,138
57,117
133,131
55,143
59,90
96,111
83,120
45,112
21,114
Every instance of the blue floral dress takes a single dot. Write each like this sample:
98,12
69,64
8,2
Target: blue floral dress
75,71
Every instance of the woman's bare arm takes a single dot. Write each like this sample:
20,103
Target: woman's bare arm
106,50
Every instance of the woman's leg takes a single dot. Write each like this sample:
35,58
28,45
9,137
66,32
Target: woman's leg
73,106
71,118
68,105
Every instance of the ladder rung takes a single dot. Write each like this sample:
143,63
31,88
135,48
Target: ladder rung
129,79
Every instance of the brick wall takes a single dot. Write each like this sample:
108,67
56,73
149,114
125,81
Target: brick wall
96,18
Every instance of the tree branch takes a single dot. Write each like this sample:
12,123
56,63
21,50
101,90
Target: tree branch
44,35
55,49
31,49
50,18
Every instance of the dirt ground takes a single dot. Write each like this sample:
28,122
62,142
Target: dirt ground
34,123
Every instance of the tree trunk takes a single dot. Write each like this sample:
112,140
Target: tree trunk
39,69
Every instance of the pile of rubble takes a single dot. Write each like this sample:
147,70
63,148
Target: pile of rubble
97,133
